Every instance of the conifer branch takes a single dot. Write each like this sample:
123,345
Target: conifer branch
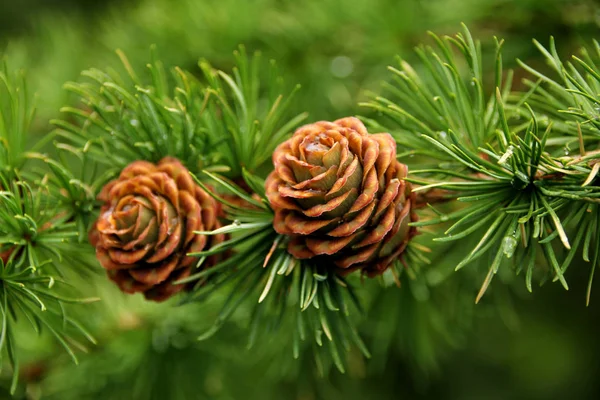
522,192
261,273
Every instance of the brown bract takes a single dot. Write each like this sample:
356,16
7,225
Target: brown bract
340,194
5,253
146,227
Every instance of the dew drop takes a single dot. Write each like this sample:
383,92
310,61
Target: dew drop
443,135
134,122
509,245
316,147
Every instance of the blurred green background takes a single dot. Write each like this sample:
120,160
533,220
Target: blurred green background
518,346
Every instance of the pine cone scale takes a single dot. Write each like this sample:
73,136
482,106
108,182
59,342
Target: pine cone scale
328,246
335,207
306,227
121,256
379,232
351,178
370,188
155,275
390,194
322,181
349,227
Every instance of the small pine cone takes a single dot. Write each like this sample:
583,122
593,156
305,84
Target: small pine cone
146,227
341,196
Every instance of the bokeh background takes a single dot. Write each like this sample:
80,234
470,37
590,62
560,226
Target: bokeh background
515,345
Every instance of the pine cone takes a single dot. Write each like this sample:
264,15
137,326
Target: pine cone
341,196
146,227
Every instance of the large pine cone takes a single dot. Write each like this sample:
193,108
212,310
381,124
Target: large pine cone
146,227
340,194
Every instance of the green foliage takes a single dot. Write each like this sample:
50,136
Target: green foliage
16,114
32,225
514,197
28,292
224,124
37,238
571,101
126,120
442,101
520,194
246,122
145,354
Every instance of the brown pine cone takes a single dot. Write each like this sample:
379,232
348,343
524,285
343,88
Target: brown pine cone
146,227
341,196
